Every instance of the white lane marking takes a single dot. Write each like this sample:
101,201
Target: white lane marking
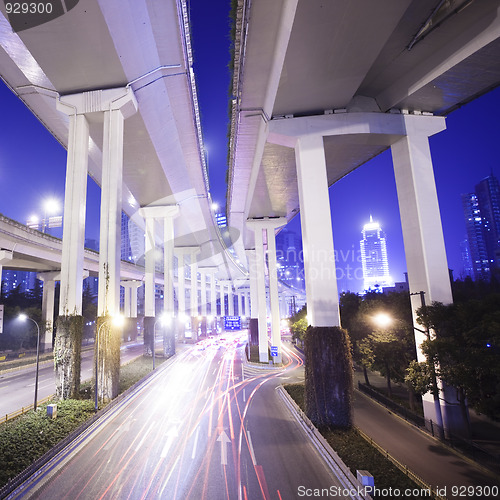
172,433
193,454
168,477
250,447
224,440
244,396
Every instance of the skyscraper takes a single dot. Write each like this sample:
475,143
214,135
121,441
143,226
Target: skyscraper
374,257
482,223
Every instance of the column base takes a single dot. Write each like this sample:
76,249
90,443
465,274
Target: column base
67,356
169,340
108,346
149,326
328,377
254,331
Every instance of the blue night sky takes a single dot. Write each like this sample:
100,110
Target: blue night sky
33,163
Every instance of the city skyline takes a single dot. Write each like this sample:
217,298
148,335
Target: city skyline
462,155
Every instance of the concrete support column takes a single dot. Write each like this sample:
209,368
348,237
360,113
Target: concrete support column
166,214
241,295
181,295
67,348
213,295
194,295
424,245
230,299
74,211
149,286
209,319
48,295
261,290
222,288
246,298
273,289
269,226
181,253
254,298
130,308
169,329
317,235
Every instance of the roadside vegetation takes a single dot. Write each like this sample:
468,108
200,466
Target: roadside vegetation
465,347
29,436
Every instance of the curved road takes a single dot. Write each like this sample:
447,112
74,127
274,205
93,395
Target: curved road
206,425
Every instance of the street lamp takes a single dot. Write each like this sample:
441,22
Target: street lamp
117,321
50,207
24,317
382,320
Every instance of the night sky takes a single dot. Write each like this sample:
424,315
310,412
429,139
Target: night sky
33,163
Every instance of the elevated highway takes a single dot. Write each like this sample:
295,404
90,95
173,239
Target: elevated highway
321,87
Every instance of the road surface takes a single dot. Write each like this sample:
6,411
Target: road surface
206,425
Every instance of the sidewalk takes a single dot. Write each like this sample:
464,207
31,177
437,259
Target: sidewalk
434,463
485,432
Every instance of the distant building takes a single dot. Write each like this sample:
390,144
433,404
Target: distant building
374,257
12,279
482,223
399,286
221,219
289,258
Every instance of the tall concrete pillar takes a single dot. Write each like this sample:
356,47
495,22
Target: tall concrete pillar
130,308
230,298
181,294
260,273
47,327
241,295
246,298
273,287
424,244
223,306
317,235
210,299
166,214
268,225
194,294
67,348
169,329
116,105
181,253
254,298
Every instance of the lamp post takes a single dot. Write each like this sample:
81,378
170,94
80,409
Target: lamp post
24,317
116,320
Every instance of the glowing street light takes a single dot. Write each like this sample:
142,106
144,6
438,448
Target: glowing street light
382,320
117,320
24,317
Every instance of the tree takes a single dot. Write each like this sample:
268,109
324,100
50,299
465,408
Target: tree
466,350
298,325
